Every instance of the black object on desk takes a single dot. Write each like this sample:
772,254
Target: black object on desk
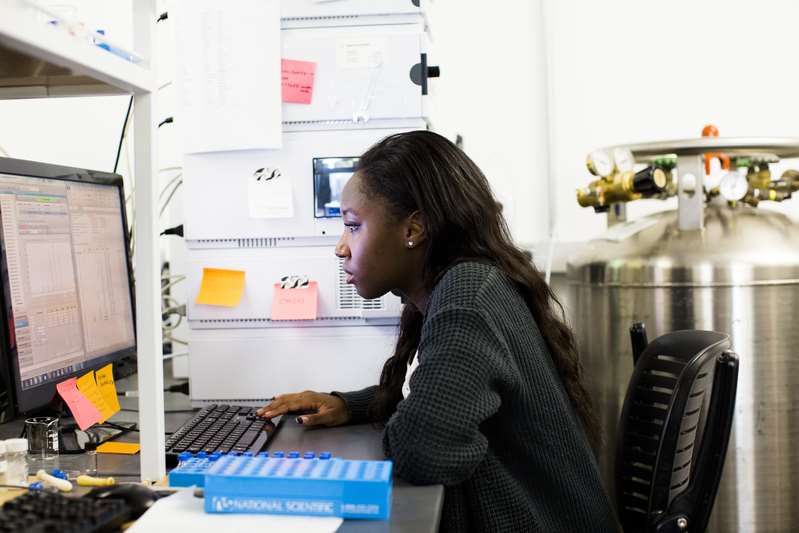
138,498
42,511
220,428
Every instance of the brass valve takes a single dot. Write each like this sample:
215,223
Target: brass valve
621,187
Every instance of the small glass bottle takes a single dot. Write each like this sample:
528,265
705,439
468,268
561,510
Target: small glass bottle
17,459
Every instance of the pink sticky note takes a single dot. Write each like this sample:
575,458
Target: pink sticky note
85,413
297,80
295,304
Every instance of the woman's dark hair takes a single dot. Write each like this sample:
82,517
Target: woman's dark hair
425,172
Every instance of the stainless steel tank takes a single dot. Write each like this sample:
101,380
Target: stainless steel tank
740,275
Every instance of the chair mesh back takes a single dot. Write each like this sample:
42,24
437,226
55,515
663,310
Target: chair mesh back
662,420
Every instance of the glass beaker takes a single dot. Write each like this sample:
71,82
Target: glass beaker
42,433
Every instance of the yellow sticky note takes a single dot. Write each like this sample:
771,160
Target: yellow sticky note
126,448
105,382
88,387
221,287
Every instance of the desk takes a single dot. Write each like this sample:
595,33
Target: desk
413,508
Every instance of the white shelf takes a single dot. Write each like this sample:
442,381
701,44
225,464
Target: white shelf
39,60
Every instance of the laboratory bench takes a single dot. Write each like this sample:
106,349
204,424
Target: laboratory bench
413,508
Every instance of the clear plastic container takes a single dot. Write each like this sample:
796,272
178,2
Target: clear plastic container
17,461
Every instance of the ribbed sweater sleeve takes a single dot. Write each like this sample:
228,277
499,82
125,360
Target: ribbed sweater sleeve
434,436
358,403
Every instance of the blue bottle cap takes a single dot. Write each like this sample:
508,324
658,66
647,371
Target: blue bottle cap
247,454
58,473
325,455
36,486
294,455
184,455
308,455
214,456
234,454
202,455
278,454
263,454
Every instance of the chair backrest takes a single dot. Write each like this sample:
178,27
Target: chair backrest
674,430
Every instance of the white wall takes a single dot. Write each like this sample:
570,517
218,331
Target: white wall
633,71
492,91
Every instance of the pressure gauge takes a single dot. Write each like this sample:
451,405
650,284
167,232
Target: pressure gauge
624,159
733,186
599,163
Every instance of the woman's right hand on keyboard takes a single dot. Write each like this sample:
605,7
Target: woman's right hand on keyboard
328,410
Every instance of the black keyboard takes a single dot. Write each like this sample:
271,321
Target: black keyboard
42,511
220,428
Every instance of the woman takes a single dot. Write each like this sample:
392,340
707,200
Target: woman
483,392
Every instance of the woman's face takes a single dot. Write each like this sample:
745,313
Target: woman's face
373,245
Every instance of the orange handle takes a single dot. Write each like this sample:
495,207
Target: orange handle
712,131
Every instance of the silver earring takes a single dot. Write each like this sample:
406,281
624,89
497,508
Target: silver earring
410,244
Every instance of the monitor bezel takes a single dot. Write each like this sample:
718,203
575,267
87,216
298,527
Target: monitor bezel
41,396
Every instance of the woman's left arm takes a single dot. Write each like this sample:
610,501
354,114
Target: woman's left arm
434,436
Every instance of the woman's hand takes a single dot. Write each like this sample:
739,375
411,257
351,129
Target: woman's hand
328,410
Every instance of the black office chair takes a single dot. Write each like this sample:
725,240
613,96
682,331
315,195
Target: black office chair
674,430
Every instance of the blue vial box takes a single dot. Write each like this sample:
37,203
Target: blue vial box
191,468
299,485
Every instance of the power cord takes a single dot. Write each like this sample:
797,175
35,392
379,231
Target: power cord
122,135
176,230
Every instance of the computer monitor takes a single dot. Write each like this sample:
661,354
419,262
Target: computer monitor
330,176
67,298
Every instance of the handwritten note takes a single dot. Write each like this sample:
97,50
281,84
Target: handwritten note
297,79
84,412
295,304
126,448
105,382
221,287
88,387
216,77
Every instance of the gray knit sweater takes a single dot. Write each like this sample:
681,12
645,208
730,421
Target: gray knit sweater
488,417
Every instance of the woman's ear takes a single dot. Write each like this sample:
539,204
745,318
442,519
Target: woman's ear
414,231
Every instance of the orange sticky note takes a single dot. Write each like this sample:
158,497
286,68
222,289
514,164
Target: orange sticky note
126,448
297,80
295,304
88,387
83,411
221,287
105,382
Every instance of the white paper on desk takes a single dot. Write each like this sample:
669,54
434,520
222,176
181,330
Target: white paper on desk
228,75
183,512
269,194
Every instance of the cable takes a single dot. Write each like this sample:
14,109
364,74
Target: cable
168,198
169,183
122,135
119,426
167,120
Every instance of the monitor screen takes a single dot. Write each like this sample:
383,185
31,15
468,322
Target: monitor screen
330,176
66,276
